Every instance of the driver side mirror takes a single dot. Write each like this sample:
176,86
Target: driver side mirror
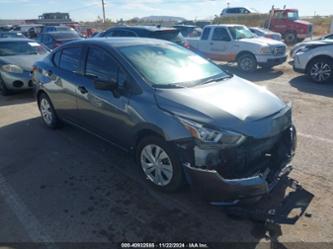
109,85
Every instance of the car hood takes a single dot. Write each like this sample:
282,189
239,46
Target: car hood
303,22
310,43
233,104
261,41
24,61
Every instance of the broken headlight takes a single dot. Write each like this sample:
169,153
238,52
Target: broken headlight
212,136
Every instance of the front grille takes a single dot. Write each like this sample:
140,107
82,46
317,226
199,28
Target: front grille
256,155
280,50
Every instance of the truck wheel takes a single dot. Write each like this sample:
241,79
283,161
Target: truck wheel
247,63
290,38
159,165
320,70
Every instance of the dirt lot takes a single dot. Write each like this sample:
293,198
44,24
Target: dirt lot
68,186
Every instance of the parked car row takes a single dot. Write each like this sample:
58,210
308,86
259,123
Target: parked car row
231,43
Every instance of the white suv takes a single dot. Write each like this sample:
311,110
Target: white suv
316,60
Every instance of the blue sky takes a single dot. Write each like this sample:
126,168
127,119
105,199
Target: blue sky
116,9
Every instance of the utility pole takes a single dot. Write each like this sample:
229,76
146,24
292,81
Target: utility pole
103,6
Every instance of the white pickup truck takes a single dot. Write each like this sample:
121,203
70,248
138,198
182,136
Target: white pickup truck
236,43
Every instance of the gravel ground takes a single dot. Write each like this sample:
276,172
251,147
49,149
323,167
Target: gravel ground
68,186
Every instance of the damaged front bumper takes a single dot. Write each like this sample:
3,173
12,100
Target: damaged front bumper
219,191
244,173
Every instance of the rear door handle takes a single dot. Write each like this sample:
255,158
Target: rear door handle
82,89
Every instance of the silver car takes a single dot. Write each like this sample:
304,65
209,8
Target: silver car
183,118
316,60
17,57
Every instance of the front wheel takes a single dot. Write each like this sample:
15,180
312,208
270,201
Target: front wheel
247,63
159,165
321,70
48,113
290,38
3,89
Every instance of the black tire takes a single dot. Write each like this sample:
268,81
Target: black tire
52,121
321,64
290,38
247,63
177,179
3,89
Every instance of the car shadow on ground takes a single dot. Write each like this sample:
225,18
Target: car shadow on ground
16,98
304,84
260,75
94,193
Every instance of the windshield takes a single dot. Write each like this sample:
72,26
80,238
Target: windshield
240,32
293,15
21,48
171,65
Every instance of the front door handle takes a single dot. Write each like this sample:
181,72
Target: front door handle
82,89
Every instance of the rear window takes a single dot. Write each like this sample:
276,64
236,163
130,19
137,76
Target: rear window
65,36
70,59
169,35
21,48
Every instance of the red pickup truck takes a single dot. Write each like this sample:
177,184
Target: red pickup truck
286,22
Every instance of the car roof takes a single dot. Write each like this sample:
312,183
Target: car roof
118,42
16,40
148,28
224,25
185,26
237,7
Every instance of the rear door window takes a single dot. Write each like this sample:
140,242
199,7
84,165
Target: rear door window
205,34
70,59
220,34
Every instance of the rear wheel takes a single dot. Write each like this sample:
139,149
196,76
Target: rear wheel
320,70
47,112
247,63
159,165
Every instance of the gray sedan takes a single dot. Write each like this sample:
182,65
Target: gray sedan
17,57
182,116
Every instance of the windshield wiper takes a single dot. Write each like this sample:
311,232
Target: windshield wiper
216,79
175,85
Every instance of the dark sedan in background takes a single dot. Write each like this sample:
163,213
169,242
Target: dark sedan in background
53,40
185,119
163,33
17,57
